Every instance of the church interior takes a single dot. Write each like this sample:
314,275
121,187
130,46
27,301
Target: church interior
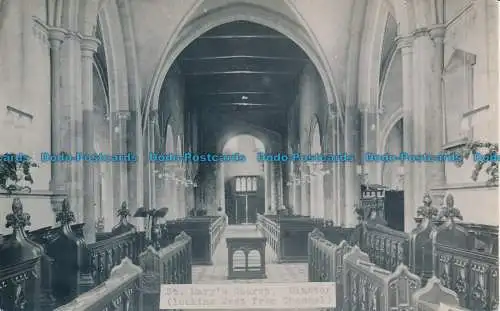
101,85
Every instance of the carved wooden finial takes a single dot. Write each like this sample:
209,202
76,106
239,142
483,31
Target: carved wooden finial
427,210
123,211
17,219
449,211
65,216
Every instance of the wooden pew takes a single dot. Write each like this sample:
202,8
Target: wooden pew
432,295
325,262
20,266
169,265
205,232
461,255
288,235
122,291
472,274
368,287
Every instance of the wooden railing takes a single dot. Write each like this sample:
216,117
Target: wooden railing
271,231
122,291
170,265
205,232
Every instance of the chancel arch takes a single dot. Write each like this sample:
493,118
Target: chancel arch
316,185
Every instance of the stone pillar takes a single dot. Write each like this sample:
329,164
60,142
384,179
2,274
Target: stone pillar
181,195
436,170
267,184
275,186
279,169
334,207
135,170
220,188
153,118
405,45
58,169
422,89
88,47
71,118
305,206
352,182
122,118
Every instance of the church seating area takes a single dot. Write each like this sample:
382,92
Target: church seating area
374,267
55,269
447,262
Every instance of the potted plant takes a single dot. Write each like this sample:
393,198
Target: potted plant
485,158
15,172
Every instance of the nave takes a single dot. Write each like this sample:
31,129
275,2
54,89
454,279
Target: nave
443,261
276,272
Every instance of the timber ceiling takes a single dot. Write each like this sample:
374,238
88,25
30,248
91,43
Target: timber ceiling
243,69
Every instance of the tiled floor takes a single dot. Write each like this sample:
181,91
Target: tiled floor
276,273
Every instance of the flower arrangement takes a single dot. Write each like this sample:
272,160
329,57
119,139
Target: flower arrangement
15,172
487,161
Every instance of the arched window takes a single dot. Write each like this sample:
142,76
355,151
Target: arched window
238,184
254,184
249,184
243,184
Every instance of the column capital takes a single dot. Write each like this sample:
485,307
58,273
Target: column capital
72,35
123,115
437,32
405,42
89,46
56,36
153,116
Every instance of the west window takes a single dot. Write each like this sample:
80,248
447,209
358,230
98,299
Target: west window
246,184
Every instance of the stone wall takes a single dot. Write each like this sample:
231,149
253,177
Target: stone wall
25,97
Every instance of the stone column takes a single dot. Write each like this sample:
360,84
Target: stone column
296,185
279,168
58,169
436,170
405,45
220,188
333,174
122,118
268,187
153,118
305,206
352,181
71,118
275,193
89,47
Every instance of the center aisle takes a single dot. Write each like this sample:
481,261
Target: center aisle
276,273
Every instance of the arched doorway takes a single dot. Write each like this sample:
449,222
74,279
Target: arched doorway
244,184
316,187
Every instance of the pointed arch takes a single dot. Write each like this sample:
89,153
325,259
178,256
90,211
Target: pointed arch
188,32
